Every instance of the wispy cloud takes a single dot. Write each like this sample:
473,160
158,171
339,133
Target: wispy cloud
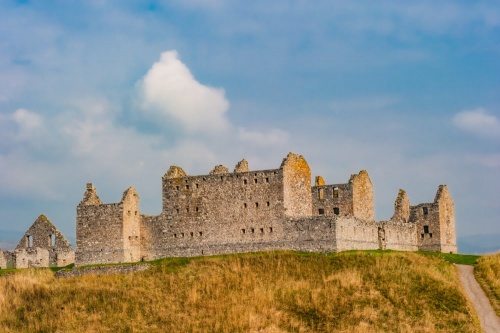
478,122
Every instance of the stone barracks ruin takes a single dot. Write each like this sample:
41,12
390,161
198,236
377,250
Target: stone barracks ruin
246,211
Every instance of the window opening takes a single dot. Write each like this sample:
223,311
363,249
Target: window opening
335,192
30,241
261,230
425,210
268,204
52,239
321,211
244,181
245,205
267,179
243,231
252,230
336,211
270,229
192,234
187,187
256,205
426,229
197,186
197,209
200,233
177,187
321,192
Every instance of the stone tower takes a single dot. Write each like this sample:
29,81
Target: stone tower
436,223
107,233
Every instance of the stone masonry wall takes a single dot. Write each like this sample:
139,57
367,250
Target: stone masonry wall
399,236
99,230
247,211
296,186
355,234
44,235
363,206
332,200
131,226
32,257
3,260
200,212
446,220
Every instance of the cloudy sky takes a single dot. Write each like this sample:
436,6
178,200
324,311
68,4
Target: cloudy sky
114,92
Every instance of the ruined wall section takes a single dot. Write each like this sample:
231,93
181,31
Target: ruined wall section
397,235
363,205
10,259
426,218
215,210
356,234
332,200
297,200
131,226
446,219
3,260
401,207
100,232
44,235
32,257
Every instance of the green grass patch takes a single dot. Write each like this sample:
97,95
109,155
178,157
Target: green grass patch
455,258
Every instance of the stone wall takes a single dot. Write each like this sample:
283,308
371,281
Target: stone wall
355,234
10,259
399,236
99,230
44,235
247,211
103,270
32,257
354,198
363,206
296,186
332,200
3,260
435,223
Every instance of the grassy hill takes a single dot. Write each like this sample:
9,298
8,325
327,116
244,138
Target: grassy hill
263,292
487,273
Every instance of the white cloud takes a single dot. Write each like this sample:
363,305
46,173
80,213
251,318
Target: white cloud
478,122
29,123
170,91
274,137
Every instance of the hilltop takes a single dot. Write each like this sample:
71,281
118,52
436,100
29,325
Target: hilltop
262,292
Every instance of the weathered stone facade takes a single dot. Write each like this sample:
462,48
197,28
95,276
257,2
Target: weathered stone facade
3,260
247,211
43,246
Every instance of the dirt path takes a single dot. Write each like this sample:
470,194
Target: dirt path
490,322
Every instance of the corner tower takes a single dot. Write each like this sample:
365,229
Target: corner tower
107,233
436,223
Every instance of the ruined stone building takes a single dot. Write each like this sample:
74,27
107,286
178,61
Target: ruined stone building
245,211
3,260
41,246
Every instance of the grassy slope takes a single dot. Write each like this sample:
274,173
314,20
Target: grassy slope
487,273
265,292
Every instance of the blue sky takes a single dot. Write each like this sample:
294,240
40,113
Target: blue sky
114,92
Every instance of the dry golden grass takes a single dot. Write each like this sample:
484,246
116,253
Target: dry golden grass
265,292
487,272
